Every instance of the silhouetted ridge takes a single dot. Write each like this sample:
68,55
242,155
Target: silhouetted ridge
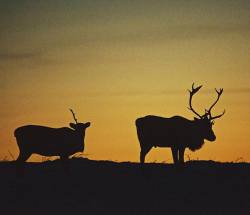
107,187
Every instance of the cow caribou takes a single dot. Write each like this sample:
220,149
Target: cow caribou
177,132
48,141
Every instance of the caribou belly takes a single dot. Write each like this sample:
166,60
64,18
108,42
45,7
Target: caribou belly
164,139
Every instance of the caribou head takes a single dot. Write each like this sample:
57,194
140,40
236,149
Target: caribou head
79,127
205,122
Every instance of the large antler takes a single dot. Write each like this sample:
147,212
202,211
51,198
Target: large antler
219,92
73,115
192,92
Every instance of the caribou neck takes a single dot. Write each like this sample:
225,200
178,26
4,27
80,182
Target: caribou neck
80,134
196,137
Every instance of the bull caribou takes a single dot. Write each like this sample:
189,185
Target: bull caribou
48,141
177,132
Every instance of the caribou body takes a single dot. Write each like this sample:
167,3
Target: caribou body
176,132
48,141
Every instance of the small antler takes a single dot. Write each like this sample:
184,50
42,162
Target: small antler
73,115
219,93
192,92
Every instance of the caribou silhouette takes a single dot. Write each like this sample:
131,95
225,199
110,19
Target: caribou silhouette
177,132
48,141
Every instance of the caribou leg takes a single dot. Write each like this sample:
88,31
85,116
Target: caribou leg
144,151
175,154
181,155
22,157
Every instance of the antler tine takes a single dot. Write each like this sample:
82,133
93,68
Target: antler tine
219,92
218,116
73,115
192,92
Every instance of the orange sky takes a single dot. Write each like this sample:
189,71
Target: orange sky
115,61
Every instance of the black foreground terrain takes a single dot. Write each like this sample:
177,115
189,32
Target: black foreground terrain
105,187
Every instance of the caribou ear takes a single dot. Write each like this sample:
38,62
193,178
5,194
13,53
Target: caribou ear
196,119
87,124
72,125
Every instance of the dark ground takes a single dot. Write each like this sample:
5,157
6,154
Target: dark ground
104,187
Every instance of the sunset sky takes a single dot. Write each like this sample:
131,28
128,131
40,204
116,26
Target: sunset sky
113,61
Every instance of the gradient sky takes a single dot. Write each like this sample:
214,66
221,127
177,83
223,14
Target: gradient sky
113,61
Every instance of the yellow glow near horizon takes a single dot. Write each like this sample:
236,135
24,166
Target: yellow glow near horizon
114,62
